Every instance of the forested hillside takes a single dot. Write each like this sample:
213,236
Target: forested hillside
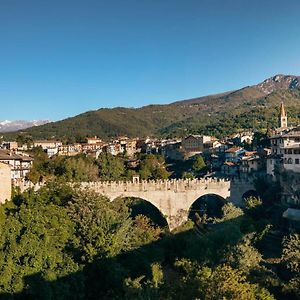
251,107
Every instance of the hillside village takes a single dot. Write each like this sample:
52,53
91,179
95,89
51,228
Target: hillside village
245,155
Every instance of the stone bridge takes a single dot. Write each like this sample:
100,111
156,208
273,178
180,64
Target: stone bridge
174,198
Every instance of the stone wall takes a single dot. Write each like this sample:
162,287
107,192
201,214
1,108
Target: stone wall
24,185
5,182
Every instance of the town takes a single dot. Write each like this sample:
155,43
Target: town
246,155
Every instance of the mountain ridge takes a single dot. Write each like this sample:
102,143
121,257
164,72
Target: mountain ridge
180,117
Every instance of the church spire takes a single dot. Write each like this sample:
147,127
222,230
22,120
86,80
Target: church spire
282,110
282,117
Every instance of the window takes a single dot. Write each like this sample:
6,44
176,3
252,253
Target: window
297,161
290,161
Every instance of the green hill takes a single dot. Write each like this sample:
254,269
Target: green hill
253,106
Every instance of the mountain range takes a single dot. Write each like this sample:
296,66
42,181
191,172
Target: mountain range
7,126
221,114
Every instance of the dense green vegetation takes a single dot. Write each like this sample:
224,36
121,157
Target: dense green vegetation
85,168
109,167
249,108
62,243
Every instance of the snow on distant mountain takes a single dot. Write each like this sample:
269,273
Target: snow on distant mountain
7,126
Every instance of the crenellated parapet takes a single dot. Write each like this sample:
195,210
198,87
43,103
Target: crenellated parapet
177,185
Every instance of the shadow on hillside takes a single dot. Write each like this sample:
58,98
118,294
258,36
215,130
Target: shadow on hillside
101,278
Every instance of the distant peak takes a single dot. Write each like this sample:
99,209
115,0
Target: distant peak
279,82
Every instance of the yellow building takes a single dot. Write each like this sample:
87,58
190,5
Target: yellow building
5,182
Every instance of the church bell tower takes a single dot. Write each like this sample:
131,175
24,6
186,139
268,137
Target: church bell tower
282,117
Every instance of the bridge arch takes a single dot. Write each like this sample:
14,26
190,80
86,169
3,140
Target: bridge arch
209,204
141,206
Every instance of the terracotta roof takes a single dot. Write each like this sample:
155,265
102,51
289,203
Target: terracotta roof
229,163
233,149
250,153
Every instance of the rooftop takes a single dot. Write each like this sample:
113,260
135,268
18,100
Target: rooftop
233,149
8,155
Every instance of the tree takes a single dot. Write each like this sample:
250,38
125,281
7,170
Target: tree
80,169
198,164
230,212
253,202
291,253
153,167
110,167
101,231
144,231
291,261
244,256
187,175
32,242
223,282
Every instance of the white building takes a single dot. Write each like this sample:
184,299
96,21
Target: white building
243,137
20,164
291,157
280,141
93,140
47,144
250,164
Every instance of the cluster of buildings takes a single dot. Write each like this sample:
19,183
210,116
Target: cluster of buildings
19,163
228,157
285,147
14,166
92,146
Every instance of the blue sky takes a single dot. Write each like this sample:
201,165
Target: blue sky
59,58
